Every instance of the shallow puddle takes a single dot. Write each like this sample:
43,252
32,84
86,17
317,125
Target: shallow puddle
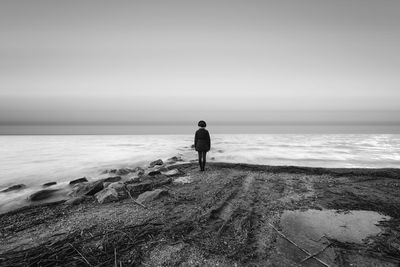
350,226
310,229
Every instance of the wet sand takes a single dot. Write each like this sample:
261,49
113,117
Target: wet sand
232,214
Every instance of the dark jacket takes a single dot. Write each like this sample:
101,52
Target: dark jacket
202,140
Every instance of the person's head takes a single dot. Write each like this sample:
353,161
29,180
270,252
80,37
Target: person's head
202,124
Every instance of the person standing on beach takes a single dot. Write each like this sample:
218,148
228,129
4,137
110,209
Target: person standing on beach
202,143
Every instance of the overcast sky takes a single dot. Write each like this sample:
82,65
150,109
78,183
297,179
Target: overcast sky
95,62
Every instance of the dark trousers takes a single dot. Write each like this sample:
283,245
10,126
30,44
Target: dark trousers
202,159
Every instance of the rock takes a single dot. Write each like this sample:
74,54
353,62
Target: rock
77,181
75,201
138,188
106,184
42,194
151,195
123,171
156,162
153,172
13,188
94,187
117,185
147,185
78,189
170,173
139,171
49,184
107,195
192,146
88,189
112,179
120,188
174,159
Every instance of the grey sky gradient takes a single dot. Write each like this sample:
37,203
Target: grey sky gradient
135,62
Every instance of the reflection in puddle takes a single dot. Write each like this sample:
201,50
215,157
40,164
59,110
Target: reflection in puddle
352,226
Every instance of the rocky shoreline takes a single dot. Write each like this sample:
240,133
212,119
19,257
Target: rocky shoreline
232,214
111,188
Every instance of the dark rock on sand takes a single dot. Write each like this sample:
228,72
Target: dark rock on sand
120,188
117,185
147,185
107,195
153,172
156,162
77,181
94,187
49,184
75,201
42,194
192,146
112,179
88,189
151,195
13,188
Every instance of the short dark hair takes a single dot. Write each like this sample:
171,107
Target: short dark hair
202,124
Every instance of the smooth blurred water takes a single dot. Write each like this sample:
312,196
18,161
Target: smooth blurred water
41,158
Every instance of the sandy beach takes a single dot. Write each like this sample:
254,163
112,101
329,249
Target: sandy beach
229,215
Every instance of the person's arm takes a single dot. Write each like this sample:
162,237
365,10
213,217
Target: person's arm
208,140
195,140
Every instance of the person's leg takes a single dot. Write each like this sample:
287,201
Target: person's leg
200,160
204,160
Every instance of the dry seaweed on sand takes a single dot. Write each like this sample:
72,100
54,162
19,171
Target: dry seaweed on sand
99,249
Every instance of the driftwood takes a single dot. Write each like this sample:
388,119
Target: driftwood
115,257
293,243
83,257
316,253
138,203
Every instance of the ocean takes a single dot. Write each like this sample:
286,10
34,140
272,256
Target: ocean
37,159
